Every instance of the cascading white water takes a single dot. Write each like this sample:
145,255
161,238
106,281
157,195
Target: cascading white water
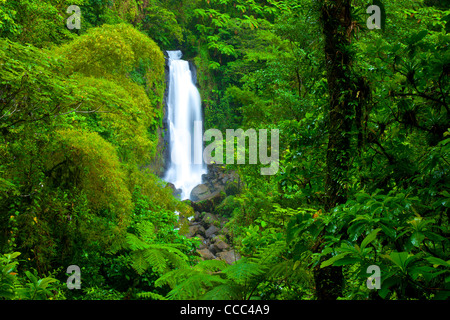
186,134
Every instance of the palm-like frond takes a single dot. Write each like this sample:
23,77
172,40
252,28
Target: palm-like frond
150,295
243,270
225,291
188,283
145,253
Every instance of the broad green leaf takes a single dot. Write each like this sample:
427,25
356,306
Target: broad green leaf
332,260
417,37
417,238
367,240
346,261
43,283
437,262
399,259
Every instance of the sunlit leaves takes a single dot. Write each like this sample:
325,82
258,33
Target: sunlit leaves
37,22
92,163
161,25
112,49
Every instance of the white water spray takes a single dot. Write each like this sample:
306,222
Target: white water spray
185,117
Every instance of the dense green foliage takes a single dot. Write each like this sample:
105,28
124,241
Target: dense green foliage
364,148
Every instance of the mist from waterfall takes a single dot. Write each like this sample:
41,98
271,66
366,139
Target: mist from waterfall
186,133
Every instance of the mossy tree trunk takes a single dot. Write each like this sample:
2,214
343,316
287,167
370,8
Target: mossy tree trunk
337,27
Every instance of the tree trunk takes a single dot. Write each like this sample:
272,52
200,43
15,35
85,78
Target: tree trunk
337,27
337,23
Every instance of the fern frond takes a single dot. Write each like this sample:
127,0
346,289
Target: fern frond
174,277
172,248
134,243
211,265
118,242
156,259
188,283
176,259
292,272
243,270
195,286
146,230
224,292
138,262
150,295
267,255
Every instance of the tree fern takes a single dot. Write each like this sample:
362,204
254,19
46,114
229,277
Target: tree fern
189,283
282,269
214,279
291,271
150,295
243,270
147,253
227,291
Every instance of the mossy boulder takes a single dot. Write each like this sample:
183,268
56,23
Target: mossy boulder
232,188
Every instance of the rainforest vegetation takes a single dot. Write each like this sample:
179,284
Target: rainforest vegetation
364,131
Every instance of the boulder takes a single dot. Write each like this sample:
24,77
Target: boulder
210,218
214,183
176,192
218,238
211,230
200,192
202,244
195,230
231,188
199,236
229,256
212,249
205,254
220,246
208,205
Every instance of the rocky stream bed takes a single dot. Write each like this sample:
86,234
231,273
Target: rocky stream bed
210,228
216,241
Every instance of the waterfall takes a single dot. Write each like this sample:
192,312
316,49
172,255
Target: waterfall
185,127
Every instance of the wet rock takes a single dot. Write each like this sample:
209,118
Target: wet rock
214,182
202,244
211,230
220,246
210,218
205,254
200,192
199,236
212,249
176,192
218,238
209,204
229,256
196,230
